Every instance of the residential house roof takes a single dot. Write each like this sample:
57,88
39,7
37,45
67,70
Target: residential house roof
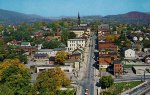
40,55
59,49
107,45
25,43
105,60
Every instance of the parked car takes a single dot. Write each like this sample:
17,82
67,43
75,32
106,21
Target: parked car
86,92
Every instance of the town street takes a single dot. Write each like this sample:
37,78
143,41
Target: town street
88,80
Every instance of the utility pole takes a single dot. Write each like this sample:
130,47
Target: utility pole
144,75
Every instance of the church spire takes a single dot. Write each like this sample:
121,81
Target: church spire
78,19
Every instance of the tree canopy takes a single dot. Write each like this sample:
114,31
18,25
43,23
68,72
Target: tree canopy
15,76
51,81
61,56
106,81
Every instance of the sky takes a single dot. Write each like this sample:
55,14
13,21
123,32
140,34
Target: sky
56,8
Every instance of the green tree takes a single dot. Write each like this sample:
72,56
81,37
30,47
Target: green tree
106,81
14,75
65,92
64,36
72,35
61,56
5,90
51,81
52,44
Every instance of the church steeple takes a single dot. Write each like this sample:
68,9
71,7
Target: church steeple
78,19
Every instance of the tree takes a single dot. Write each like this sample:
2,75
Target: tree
5,90
110,38
146,43
72,35
61,56
65,92
106,81
14,75
51,81
52,44
64,36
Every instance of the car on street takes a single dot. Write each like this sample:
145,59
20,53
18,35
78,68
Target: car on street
86,92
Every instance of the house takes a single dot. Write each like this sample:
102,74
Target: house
108,46
49,38
117,67
25,44
78,51
103,27
73,44
113,54
147,59
146,49
74,63
75,56
38,35
49,52
13,42
59,49
41,57
104,62
129,54
30,49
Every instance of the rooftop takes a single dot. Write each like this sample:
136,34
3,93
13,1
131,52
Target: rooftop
40,55
45,50
76,39
25,43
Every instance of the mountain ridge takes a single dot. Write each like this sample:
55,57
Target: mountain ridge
11,17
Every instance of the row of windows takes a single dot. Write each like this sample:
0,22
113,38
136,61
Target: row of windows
77,41
75,45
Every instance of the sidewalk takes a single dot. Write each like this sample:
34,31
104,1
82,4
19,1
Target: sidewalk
83,68
85,61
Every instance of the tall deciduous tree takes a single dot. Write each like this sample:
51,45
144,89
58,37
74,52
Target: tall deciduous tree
106,81
72,35
14,75
51,81
61,57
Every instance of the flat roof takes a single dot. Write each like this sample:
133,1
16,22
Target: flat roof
44,50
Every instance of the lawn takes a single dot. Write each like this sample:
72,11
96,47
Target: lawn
130,66
117,88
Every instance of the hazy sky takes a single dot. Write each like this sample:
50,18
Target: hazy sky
71,7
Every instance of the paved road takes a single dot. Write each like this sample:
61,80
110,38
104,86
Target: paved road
88,81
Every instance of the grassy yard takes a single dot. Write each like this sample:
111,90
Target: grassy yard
130,66
117,88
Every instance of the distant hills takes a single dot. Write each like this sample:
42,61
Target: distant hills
10,17
131,17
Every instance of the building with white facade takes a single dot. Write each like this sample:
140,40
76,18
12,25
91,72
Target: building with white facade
129,53
66,69
73,44
50,52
